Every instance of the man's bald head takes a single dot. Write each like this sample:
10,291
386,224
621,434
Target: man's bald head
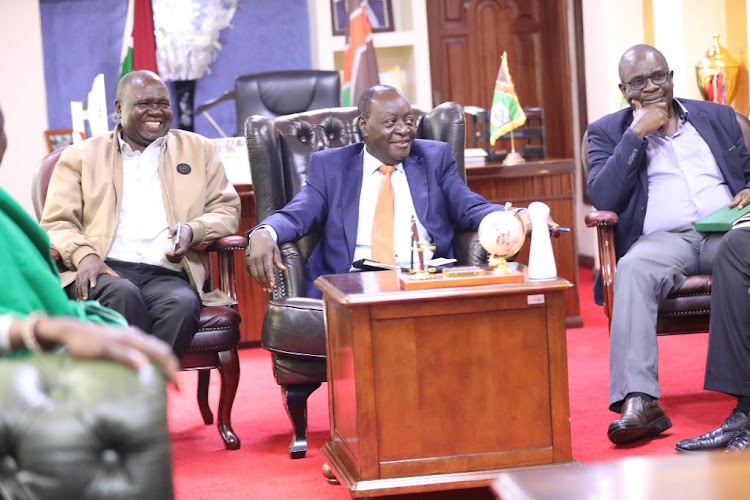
634,53
129,78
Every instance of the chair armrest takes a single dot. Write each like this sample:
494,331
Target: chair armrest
231,243
604,222
225,248
467,249
292,282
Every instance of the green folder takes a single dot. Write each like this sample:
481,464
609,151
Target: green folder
720,220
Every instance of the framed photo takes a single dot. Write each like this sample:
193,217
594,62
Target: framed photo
379,13
58,138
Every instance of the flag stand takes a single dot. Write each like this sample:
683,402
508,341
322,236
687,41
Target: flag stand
513,158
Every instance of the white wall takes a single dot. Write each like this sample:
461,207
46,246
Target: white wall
682,32
22,96
609,28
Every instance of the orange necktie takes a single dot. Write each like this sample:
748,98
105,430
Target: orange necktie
382,223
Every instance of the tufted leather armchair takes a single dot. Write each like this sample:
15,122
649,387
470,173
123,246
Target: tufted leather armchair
214,346
277,93
687,309
293,327
72,429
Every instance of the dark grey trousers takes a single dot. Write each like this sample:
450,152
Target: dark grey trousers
159,301
728,360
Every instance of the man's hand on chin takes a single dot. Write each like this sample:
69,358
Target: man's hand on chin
650,118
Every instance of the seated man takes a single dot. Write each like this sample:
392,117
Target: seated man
36,314
113,206
349,189
728,359
661,166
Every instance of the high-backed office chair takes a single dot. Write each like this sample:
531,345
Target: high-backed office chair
215,344
293,329
277,93
687,309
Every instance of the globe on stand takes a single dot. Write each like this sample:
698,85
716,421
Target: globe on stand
502,234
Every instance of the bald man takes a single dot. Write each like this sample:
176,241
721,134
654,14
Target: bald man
115,205
661,165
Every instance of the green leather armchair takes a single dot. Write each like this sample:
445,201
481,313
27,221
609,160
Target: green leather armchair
82,430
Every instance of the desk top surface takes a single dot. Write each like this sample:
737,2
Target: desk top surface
362,288
700,475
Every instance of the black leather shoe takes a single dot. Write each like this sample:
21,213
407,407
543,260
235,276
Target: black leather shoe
640,419
740,442
717,438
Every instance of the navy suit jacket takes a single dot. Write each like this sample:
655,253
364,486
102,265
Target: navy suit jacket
329,203
618,179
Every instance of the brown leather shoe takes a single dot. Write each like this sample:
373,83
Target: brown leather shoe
640,419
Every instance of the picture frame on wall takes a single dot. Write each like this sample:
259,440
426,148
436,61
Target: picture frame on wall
58,138
379,13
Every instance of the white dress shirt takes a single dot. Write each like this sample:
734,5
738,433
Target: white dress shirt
403,211
142,234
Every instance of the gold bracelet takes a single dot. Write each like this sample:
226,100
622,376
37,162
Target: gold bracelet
28,332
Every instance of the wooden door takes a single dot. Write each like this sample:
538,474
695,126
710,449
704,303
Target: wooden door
467,40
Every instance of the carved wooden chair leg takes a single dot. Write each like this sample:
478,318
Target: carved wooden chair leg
204,377
295,400
229,369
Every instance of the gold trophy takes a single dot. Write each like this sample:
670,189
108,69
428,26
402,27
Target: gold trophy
717,73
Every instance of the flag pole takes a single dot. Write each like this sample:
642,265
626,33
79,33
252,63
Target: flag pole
513,158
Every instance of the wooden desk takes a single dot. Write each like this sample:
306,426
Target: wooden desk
697,476
440,389
551,181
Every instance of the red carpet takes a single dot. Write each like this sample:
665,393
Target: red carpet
261,469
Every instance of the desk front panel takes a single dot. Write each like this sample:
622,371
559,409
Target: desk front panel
448,385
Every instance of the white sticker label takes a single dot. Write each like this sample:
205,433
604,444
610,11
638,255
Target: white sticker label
535,299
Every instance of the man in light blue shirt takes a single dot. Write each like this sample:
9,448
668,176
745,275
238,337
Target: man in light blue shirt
661,166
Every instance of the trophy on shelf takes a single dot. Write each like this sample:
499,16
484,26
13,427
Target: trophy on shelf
717,74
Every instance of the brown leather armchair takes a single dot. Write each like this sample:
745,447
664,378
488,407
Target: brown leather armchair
293,327
687,309
215,344
277,93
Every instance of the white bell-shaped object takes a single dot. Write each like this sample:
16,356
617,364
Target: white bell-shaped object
541,259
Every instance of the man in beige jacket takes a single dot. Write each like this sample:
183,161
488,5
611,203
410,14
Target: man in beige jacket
114,206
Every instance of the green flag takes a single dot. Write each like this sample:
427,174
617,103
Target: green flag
506,113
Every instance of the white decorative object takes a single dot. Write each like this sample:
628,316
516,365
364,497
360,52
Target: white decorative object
93,110
187,35
502,234
541,259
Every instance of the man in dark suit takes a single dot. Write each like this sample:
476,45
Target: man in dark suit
728,359
660,165
342,185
